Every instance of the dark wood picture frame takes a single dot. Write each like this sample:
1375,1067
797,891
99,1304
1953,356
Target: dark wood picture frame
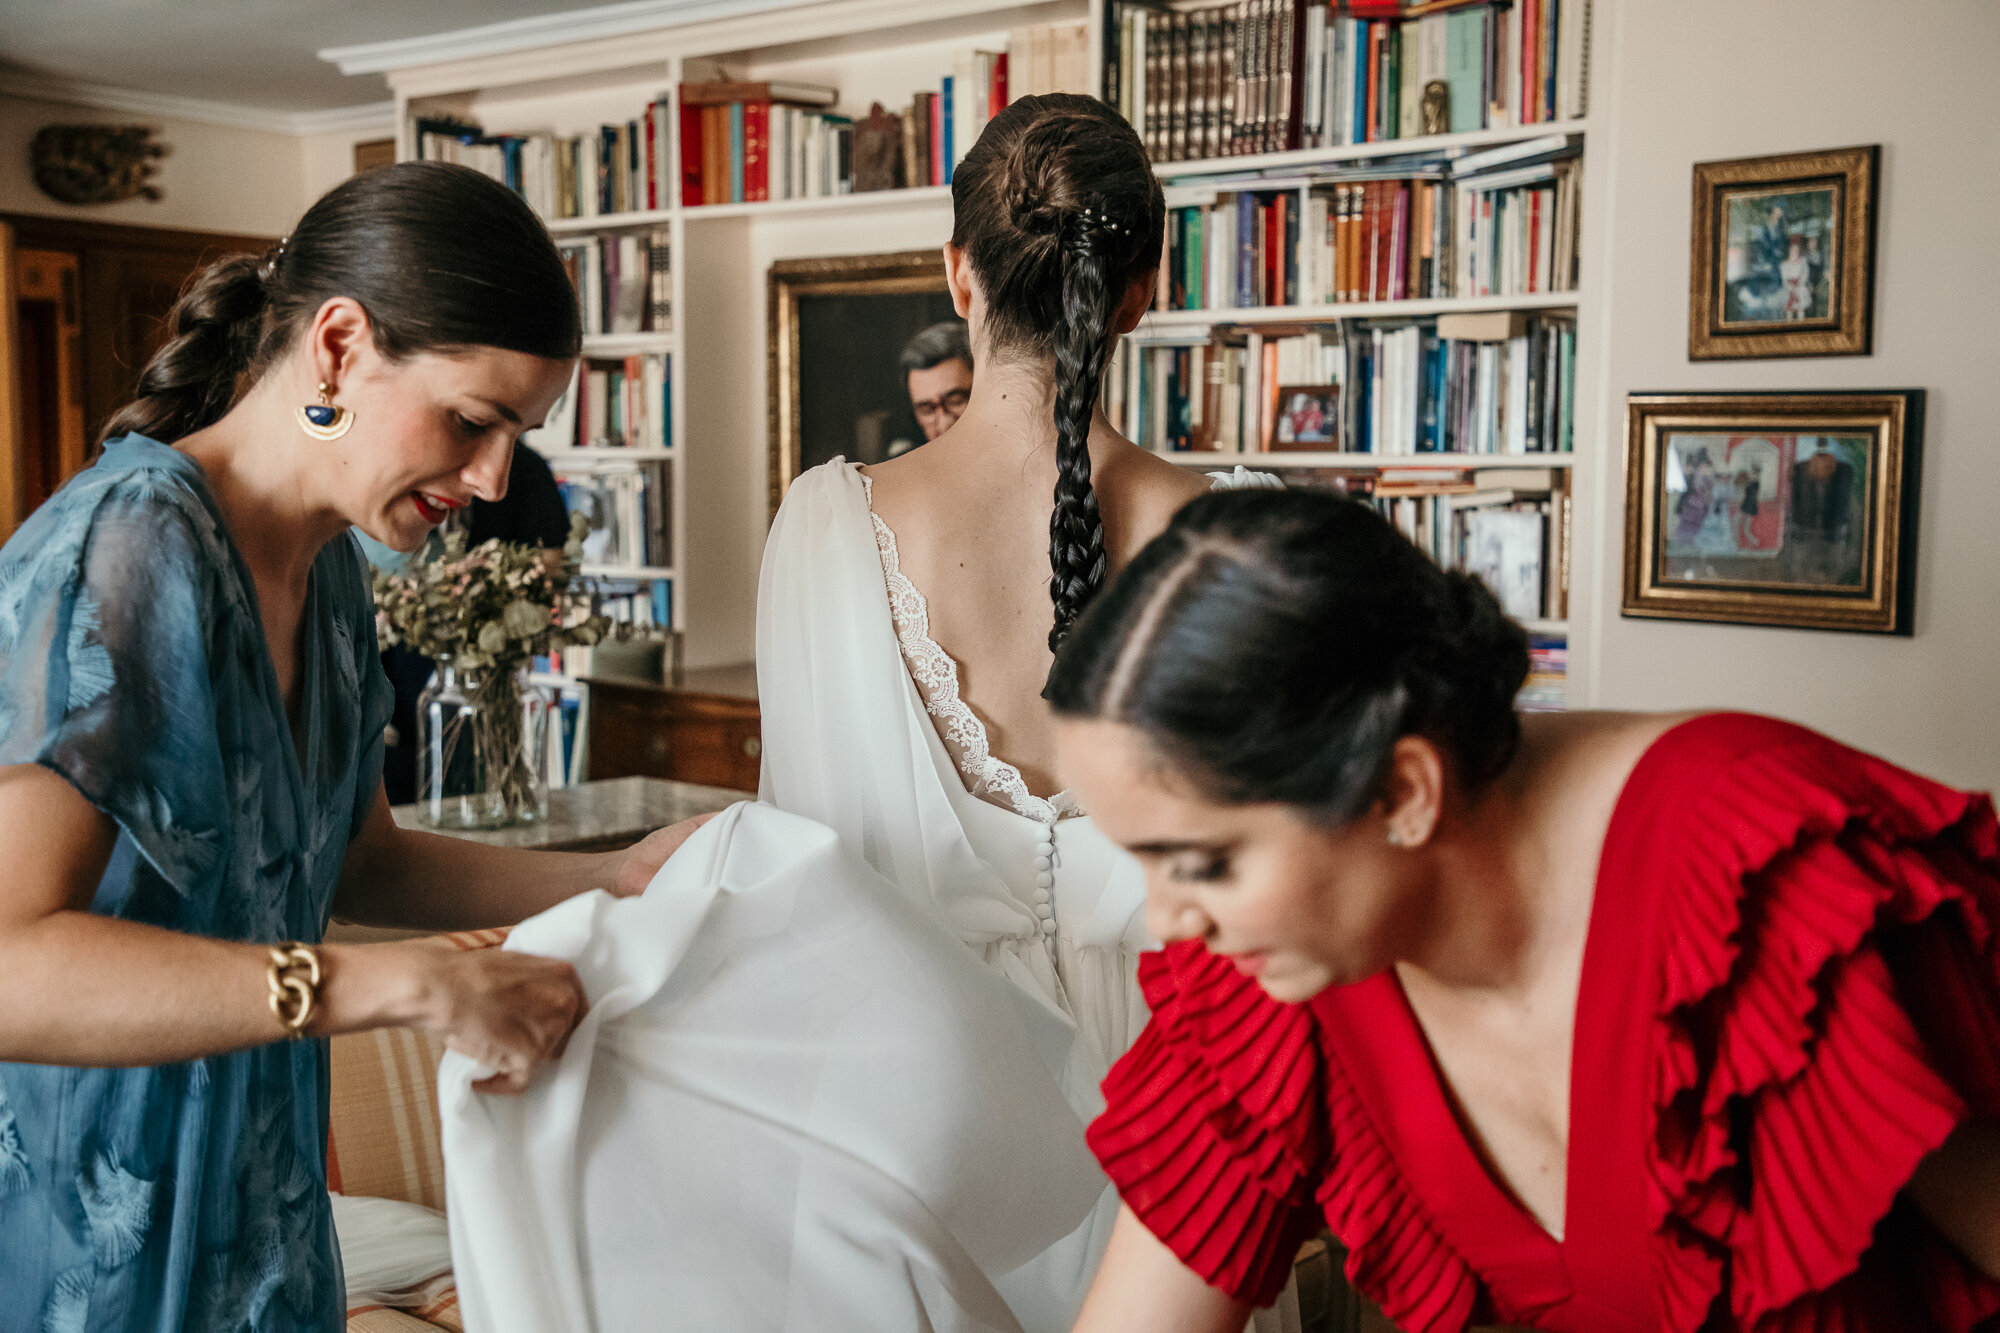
1719,274
900,273
1830,546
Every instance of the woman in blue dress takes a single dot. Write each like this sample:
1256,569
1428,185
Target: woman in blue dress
191,715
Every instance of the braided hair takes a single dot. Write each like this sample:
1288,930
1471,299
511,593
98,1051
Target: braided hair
1058,213
1273,646
440,256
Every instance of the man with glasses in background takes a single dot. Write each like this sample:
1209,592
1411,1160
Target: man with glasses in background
937,366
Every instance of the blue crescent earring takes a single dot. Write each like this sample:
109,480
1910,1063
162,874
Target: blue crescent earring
322,420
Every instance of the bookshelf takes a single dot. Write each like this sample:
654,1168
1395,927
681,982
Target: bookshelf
1277,461
884,51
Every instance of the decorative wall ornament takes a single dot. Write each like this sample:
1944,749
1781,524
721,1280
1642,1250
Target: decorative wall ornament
95,164
1434,111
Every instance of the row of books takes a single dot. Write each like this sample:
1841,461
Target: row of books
1259,76
1547,686
627,504
748,142
1493,382
619,168
1508,525
624,280
612,403
1377,234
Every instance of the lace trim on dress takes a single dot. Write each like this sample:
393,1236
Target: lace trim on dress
936,675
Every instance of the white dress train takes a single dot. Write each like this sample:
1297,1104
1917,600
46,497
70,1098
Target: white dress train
794,1105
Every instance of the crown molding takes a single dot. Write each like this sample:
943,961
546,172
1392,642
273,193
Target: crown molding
576,25
130,101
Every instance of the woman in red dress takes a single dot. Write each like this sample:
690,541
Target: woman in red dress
1591,1021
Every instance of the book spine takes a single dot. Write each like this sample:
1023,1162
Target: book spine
757,151
1246,250
945,119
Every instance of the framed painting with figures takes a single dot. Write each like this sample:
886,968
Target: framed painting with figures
1790,509
1783,261
837,328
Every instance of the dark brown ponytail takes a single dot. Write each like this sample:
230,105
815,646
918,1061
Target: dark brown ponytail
439,256
212,334
1057,211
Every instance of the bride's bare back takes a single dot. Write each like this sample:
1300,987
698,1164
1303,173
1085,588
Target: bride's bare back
970,512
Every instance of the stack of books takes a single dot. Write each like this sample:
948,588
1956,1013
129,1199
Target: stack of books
613,169
1547,688
1260,76
1496,382
624,280
1499,223
1509,526
627,506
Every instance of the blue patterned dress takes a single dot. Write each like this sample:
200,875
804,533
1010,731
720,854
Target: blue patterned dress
133,663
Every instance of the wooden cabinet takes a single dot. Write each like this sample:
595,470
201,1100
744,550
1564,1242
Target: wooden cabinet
685,735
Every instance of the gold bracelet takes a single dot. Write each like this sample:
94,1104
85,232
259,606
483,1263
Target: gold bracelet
293,994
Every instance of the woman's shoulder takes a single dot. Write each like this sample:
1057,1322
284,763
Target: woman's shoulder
141,503
1139,493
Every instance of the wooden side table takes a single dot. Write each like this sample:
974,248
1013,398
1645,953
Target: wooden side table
708,730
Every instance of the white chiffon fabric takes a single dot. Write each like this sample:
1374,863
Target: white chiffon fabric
795,1104
841,1053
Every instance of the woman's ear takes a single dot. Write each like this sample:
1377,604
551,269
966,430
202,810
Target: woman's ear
1412,792
339,336
958,278
1138,299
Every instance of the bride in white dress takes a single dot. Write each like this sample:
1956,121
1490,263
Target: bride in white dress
797,1103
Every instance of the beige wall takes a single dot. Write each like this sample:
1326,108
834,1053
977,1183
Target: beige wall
216,178
329,159
1701,79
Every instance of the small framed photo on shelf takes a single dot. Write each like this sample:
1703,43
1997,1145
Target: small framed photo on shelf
1788,509
1784,255
1307,418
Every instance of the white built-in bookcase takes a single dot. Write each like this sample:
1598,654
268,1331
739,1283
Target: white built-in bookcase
874,50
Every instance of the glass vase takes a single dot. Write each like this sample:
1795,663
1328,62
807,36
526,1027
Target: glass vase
482,739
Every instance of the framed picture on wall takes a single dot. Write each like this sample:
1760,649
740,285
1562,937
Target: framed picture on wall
837,327
1789,509
1784,255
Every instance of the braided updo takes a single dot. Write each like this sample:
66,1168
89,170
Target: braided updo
1057,211
1274,645
440,257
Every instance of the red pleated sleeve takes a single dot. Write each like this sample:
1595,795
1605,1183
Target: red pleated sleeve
1830,1012
1213,1128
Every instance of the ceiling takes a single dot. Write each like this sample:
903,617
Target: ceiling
252,53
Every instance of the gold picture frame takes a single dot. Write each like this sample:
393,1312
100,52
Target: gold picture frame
902,273
1789,509
1783,259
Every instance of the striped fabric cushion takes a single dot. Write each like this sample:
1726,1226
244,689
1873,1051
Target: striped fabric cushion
384,1118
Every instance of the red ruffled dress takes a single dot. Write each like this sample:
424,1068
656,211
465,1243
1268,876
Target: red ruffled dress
1790,995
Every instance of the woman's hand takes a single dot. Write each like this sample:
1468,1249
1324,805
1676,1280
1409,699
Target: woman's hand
640,862
511,1012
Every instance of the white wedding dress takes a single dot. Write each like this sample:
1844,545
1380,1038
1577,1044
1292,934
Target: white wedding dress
857,703
829,1081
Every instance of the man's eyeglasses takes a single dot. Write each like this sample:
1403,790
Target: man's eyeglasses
950,405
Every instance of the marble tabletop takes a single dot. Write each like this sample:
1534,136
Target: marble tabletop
597,816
